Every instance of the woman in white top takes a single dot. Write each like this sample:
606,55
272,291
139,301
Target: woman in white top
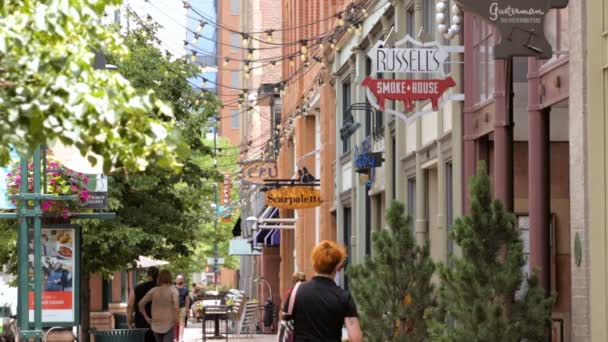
165,307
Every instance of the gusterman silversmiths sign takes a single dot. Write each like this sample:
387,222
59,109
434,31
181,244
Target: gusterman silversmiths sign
520,22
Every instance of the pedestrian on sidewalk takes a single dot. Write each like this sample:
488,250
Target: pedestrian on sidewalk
165,308
136,296
297,277
321,307
184,305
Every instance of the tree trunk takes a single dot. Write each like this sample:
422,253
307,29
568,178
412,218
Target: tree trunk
85,307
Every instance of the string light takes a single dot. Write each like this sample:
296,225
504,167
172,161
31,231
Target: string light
291,62
304,47
246,40
204,82
250,55
200,27
226,61
269,36
364,11
333,44
340,19
193,56
303,58
195,38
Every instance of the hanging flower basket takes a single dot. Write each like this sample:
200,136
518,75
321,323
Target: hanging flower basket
60,181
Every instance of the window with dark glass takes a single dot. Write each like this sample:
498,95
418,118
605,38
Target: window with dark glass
411,201
483,42
449,207
346,98
347,231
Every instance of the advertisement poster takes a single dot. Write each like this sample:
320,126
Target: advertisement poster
58,268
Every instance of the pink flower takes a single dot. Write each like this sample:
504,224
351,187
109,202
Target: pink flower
45,206
55,174
10,174
74,188
17,179
65,215
86,179
53,181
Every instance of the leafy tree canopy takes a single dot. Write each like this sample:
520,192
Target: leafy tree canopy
49,89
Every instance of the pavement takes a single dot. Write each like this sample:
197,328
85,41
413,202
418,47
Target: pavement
194,334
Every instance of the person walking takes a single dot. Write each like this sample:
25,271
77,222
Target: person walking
297,277
184,305
133,313
322,308
165,308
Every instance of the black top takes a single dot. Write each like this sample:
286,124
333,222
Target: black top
183,293
319,311
140,292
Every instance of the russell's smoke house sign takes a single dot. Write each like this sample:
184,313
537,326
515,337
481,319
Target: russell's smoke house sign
520,22
424,58
408,56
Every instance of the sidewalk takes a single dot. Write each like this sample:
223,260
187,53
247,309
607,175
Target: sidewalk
194,335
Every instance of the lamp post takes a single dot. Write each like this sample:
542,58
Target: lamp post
262,280
215,246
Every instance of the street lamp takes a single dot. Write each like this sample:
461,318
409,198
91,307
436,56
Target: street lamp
262,280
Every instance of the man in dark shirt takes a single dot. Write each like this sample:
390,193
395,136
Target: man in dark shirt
321,307
138,293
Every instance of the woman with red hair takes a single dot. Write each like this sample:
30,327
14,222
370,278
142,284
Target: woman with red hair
321,307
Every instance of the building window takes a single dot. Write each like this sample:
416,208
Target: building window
368,224
235,79
483,42
235,7
235,119
410,19
235,42
556,30
428,19
411,202
347,231
449,208
394,167
346,115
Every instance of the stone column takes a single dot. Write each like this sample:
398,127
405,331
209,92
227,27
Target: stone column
469,158
538,178
503,134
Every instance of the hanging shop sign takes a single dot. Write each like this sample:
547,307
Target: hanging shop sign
60,265
297,197
406,91
365,159
226,189
521,25
423,58
256,171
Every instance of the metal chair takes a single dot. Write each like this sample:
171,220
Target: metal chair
249,319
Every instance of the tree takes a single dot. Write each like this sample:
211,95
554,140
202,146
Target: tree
49,89
485,292
393,287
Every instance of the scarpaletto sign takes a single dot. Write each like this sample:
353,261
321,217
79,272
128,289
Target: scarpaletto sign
297,197
424,58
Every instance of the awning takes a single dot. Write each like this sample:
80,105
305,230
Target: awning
241,247
236,230
270,220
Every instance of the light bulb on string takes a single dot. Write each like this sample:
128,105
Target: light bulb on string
273,63
364,11
200,27
340,19
195,38
193,57
250,54
304,47
226,61
245,40
269,36
359,29
303,57
247,75
333,44
204,82
291,62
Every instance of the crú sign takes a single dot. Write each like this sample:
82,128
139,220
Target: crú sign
424,58
520,22
256,171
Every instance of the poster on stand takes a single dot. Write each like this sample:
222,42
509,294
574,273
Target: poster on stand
60,271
